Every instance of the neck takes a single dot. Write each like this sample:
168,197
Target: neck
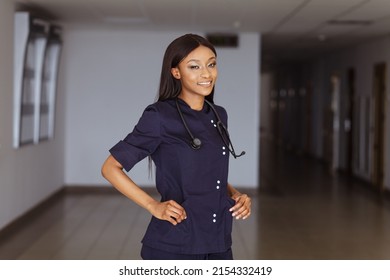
195,103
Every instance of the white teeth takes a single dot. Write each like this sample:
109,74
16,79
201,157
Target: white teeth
204,83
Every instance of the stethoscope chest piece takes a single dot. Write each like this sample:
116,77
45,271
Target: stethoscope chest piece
196,143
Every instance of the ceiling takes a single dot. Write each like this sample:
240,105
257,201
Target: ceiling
289,28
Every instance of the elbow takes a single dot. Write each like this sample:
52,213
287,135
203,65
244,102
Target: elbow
109,168
104,171
106,168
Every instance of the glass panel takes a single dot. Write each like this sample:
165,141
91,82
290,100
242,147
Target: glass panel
28,96
44,102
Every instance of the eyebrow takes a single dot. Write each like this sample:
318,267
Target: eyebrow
197,60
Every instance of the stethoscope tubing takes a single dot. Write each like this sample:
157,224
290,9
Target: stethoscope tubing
196,143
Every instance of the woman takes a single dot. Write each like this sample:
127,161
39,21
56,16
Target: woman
193,220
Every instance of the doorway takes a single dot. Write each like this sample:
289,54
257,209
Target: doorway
349,121
331,125
379,97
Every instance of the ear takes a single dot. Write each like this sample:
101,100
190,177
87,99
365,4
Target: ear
175,73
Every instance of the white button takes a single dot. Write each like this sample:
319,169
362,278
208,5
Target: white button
217,187
223,148
212,121
214,220
215,125
214,215
218,182
224,153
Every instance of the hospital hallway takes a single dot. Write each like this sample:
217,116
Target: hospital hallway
301,212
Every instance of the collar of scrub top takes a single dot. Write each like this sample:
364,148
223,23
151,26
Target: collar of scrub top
196,143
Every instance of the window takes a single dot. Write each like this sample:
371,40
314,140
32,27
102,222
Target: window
36,57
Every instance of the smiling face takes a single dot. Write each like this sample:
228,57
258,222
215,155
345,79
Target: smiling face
197,73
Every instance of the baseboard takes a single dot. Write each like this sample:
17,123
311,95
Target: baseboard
106,189
84,189
10,228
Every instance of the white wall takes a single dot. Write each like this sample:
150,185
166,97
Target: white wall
111,76
32,173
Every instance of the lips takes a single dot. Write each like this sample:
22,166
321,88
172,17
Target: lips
205,83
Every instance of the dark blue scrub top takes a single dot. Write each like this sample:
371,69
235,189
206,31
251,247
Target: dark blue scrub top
196,179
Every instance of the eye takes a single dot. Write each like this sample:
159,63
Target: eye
194,67
212,65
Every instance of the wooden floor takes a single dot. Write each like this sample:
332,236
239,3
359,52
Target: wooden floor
301,212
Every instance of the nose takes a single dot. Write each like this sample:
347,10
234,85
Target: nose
205,72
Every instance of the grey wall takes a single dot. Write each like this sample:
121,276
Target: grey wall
29,174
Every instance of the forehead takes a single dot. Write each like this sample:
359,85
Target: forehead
200,53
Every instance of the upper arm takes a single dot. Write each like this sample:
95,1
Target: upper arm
141,142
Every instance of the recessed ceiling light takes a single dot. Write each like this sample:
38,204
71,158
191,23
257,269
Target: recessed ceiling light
321,37
237,24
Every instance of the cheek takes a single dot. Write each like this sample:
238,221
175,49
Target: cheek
215,74
190,77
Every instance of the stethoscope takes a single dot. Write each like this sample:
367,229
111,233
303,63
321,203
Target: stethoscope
195,142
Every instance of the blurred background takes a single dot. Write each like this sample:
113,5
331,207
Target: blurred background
305,83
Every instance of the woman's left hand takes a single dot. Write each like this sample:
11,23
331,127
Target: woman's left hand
242,208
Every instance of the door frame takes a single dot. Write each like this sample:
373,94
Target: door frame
379,118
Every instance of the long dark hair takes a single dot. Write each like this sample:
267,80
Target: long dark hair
174,54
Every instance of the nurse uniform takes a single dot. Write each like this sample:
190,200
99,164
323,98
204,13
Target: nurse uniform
194,178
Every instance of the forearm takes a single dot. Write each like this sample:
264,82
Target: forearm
232,191
114,174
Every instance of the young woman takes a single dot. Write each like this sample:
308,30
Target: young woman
184,133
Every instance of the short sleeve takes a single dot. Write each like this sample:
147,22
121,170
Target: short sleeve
141,142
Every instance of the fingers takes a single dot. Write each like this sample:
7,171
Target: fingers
174,212
242,208
170,211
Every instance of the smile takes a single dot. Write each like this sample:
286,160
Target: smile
205,83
